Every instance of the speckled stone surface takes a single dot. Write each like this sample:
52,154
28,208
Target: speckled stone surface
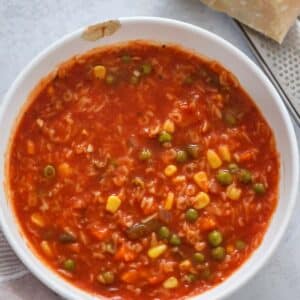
28,26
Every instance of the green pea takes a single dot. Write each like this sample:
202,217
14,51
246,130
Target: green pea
146,68
164,232
126,58
245,176
199,258
191,215
106,277
110,79
206,274
215,238
193,150
181,156
164,137
218,253
190,278
259,188
49,171
145,154
240,245
233,168
229,119
224,177
175,240
69,265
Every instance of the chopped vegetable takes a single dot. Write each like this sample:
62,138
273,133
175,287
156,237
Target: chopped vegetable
185,265
169,126
64,169
99,72
134,79
213,159
224,153
164,137
259,188
169,201
145,154
193,151
46,248
181,156
233,192
201,200
67,238
69,265
164,232
49,171
157,251
171,283
175,240
110,79
191,215
130,276
189,278
229,119
233,168
199,258
201,179
138,181
240,245
106,277
146,68
37,219
218,253
113,203
215,238
170,170
245,176
224,177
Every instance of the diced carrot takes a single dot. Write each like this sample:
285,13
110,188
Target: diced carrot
207,223
99,233
30,147
155,279
130,276
246,155
125,254
74,247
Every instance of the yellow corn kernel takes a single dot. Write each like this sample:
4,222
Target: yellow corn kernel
113,203
225,153
233,192
213,159
229,249
170,170
201,200
46,248
201,179
99,72
30,147
37,219
169,126
169,201
170,283
64,170
185,265
157,251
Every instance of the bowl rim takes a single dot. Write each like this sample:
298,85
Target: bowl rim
34,269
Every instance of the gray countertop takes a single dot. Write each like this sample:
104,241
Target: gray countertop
28,26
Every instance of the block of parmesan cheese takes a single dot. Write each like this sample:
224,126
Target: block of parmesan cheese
270,17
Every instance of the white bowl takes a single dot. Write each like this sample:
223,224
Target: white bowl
203,42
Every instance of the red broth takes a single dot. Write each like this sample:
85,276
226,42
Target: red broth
143,169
